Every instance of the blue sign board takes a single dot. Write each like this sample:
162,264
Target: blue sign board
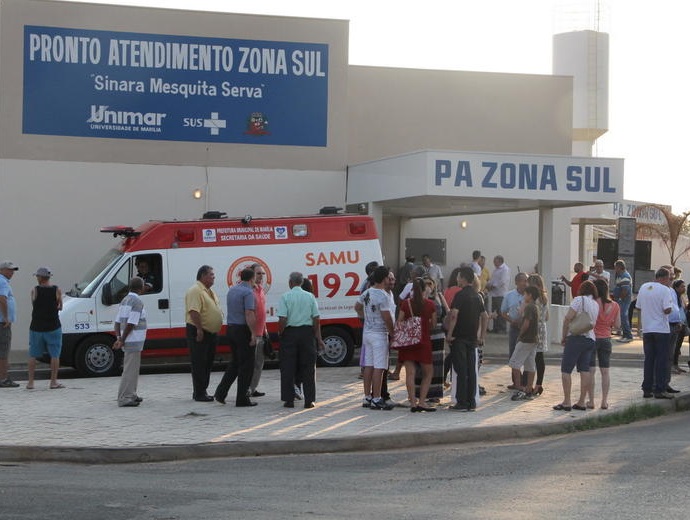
123,85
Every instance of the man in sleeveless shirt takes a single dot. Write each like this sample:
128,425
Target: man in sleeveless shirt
45,331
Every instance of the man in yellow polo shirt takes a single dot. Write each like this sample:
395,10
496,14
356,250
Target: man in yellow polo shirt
204,320
299,326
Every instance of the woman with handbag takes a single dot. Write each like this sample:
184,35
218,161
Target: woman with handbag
419,305
609,317
578,343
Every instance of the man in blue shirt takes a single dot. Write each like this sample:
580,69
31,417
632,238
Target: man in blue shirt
299,327
8,315
241,322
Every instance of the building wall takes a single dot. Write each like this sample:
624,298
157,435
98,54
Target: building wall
396,111
511,235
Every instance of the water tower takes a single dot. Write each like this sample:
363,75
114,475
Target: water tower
581,50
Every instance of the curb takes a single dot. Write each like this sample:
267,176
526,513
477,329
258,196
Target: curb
170,453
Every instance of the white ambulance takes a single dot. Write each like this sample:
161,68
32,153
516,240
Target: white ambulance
331,250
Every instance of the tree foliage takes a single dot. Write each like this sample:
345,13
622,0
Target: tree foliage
670,233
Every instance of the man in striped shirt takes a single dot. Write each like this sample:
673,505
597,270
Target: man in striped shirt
130,329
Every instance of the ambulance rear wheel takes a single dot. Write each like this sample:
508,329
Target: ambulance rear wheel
96,357
339,347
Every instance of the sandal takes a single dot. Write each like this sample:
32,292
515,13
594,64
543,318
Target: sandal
590,405
578,407
56,387
562,407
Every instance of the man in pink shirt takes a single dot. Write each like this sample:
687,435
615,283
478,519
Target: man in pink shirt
260,331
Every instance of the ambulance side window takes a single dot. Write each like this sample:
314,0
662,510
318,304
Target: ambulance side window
119,284
150,269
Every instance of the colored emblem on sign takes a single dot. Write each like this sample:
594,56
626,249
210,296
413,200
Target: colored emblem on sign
209,235
257,124
245,262
281,232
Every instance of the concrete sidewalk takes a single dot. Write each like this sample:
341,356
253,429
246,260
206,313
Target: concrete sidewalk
82,423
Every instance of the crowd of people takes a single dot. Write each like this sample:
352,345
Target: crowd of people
457,315
476,302
298,328
473,303
663,323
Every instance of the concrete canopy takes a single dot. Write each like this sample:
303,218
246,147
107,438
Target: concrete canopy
434,183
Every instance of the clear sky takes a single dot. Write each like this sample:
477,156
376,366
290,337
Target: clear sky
649,112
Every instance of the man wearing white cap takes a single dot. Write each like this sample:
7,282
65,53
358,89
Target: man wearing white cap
45,331
8,315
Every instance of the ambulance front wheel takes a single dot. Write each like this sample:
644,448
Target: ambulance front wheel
96,357
340,347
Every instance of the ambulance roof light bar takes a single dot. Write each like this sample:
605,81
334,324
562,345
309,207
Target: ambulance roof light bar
330,210
122,231
214,215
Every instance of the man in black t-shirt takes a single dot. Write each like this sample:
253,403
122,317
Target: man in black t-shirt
467,317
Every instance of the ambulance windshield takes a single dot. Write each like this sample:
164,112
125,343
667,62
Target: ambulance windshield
92,279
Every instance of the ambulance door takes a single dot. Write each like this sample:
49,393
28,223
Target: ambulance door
152,268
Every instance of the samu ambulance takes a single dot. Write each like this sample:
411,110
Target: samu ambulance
331,250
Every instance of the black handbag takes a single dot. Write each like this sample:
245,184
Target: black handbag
268,347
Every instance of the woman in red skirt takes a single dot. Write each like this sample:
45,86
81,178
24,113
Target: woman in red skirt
419,305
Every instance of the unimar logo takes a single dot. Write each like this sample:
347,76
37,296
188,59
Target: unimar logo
209,235
101,115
